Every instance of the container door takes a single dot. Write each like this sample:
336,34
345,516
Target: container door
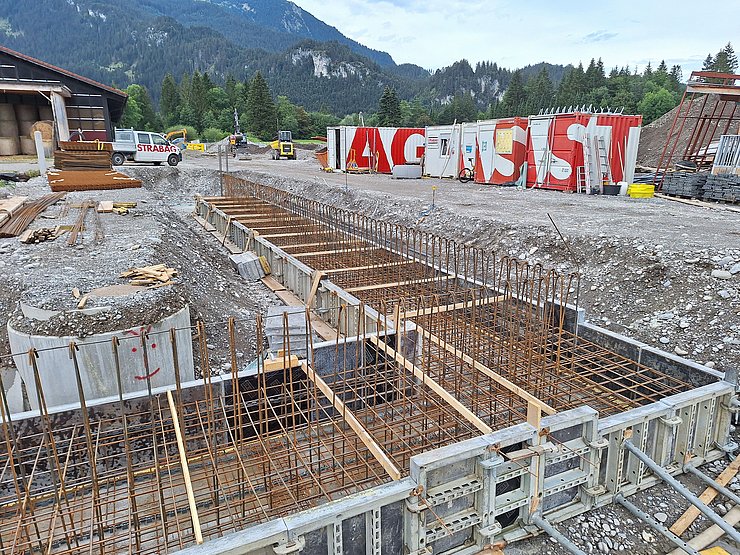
337,149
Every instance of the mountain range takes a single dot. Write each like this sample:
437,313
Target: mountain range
119,42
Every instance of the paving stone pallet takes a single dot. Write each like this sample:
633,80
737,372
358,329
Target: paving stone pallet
684,184
725,188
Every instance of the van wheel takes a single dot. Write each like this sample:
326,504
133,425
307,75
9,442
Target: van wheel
173,159
117,159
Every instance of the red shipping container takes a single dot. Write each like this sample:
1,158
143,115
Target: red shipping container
557,146
501,151
374,148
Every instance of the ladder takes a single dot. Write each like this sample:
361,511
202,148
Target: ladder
584,177
605,170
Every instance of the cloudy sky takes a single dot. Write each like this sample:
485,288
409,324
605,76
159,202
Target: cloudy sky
514,33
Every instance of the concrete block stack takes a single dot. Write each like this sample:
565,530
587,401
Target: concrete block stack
684,184
725,188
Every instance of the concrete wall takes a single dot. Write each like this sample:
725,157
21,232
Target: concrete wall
97,361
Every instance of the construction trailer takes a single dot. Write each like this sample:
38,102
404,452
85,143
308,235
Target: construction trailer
32,90
502,150
581,151
449,149
373,149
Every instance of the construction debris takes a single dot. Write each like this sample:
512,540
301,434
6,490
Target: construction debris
34,236
150,276
120,208
22,218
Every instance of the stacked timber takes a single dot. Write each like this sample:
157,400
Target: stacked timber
83,146
23,217
90,180
82,160
723,188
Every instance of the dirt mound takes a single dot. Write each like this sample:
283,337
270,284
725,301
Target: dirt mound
654,136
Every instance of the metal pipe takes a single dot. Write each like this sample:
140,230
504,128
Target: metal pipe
654,524
729,494
683,491
551,531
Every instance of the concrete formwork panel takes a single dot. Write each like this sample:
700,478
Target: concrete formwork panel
145,358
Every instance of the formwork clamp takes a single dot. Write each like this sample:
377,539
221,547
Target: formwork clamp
733,406
672,422
599,444
490,531
295,546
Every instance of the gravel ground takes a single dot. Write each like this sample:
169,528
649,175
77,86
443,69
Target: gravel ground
158,230
663,272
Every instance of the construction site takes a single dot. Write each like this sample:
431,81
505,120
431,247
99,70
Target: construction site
254,356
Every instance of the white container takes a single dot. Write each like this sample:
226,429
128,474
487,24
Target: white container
623,186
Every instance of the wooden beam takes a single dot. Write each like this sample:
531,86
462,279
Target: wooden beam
686,519
711,534
195,519
336,251
318,276
353,423
320,243
280,363
274,235
398,283
370,267
428,381
498,378
450,307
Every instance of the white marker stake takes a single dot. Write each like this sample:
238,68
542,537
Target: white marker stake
40,151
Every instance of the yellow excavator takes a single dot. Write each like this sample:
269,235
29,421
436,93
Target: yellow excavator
283,146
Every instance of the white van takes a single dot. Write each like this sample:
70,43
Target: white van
143,146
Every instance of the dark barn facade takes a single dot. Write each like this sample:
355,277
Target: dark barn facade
32,91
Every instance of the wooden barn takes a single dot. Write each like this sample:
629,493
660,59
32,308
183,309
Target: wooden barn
35,95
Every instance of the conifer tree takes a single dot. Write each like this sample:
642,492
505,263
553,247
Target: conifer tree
169,103
261,111
389,108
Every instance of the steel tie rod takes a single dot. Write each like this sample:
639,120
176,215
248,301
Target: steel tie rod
654,524
729,494
682,490
551,531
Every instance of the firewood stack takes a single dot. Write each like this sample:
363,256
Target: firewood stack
150,276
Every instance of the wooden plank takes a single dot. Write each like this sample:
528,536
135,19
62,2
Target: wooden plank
353,423
278,235
711,534
273,284
450,307
338,251
322,329
318,276
498,378
105,206
320,243
689,516
289,298
280,363
370,267
195,519
398,283
699,203
428,381
9,206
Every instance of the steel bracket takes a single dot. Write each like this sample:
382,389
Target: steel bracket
292,547
673,422
490,531
600,444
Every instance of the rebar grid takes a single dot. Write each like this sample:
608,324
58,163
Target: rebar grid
557,367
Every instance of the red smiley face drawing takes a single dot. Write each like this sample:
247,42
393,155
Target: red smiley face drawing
143,331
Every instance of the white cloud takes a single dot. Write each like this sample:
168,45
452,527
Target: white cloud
435,33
